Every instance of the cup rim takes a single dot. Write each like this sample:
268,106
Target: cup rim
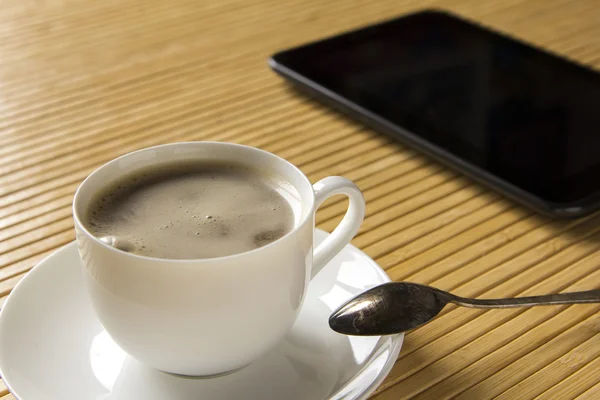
186,261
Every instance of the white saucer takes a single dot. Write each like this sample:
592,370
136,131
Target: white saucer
53,347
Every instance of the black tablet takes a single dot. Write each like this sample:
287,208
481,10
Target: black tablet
512,116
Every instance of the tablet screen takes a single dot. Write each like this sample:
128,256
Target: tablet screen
526,116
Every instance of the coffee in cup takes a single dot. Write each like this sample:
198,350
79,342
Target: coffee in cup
193,210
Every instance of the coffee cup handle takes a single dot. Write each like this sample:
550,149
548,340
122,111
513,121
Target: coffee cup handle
348,227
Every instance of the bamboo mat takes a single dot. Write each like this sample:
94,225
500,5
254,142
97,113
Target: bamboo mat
82,82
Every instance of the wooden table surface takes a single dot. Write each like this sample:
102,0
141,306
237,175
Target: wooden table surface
82,82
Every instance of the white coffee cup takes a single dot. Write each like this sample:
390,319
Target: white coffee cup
208,316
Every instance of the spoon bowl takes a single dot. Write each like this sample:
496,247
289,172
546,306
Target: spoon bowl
387,309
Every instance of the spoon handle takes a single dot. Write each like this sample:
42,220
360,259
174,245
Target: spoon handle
589,296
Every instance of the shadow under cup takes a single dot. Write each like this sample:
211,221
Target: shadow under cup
206,316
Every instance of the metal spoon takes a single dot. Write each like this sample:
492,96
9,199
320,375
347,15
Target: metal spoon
399,306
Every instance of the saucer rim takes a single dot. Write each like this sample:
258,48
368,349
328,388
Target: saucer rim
398,339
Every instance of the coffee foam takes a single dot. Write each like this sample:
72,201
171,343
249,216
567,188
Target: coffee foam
194,210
